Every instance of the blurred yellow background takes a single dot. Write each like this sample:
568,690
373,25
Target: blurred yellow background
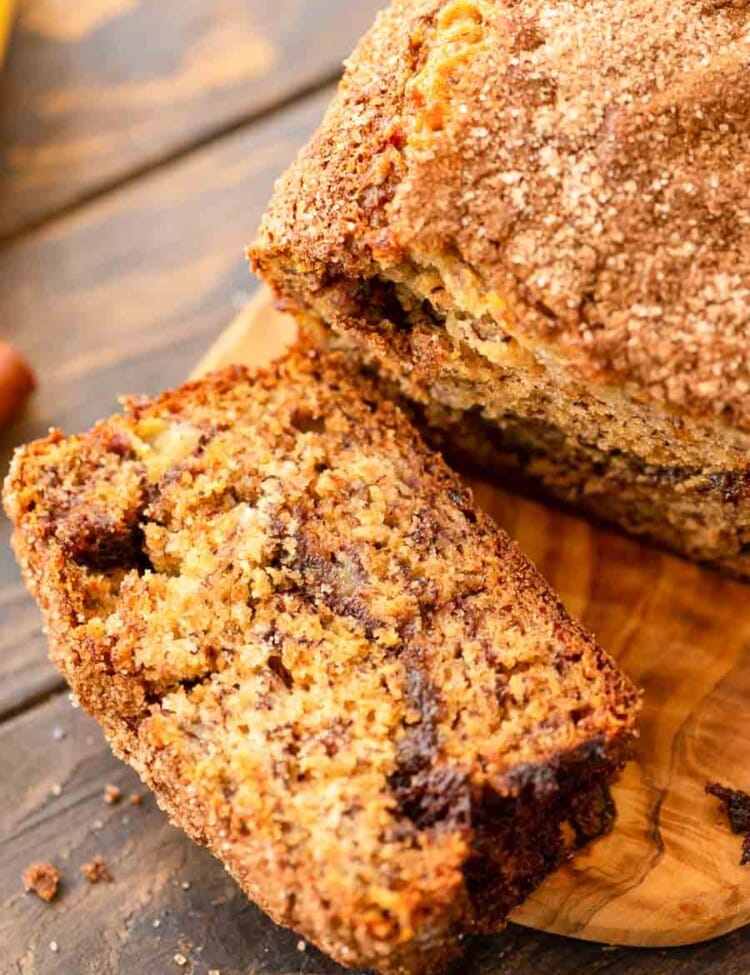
6,13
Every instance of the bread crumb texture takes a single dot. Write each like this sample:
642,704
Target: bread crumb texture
290,618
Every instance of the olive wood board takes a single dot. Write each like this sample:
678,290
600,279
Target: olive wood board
669,873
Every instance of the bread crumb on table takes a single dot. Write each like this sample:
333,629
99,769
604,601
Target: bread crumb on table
42,879
112,794
96,870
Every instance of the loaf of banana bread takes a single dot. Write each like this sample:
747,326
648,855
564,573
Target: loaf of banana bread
333,670
534,217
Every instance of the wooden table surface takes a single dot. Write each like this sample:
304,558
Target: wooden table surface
139,140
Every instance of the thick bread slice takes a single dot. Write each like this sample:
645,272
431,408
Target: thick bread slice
332,669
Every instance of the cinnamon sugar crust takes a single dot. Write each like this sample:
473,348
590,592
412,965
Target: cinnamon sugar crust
288,615
582,165
533,219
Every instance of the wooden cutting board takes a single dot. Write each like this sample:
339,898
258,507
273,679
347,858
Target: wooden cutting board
669,874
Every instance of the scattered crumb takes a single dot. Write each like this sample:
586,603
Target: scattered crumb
301,946
736,804
96,870
58,734
136,799
125,820
42,879
185,885
97,824
214,971
112,794
56,789
54,946
155,923
180,960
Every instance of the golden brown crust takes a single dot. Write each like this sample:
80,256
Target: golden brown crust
581,164
331,668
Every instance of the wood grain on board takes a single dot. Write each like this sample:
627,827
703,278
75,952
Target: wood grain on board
121,297
94,90
669,874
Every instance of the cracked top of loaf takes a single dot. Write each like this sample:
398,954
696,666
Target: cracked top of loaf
289,615
578,168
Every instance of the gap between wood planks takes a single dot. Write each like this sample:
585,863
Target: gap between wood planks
41,697
167,158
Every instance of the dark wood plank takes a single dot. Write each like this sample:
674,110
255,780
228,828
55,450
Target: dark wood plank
95,89
26,673
124,296
109,929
